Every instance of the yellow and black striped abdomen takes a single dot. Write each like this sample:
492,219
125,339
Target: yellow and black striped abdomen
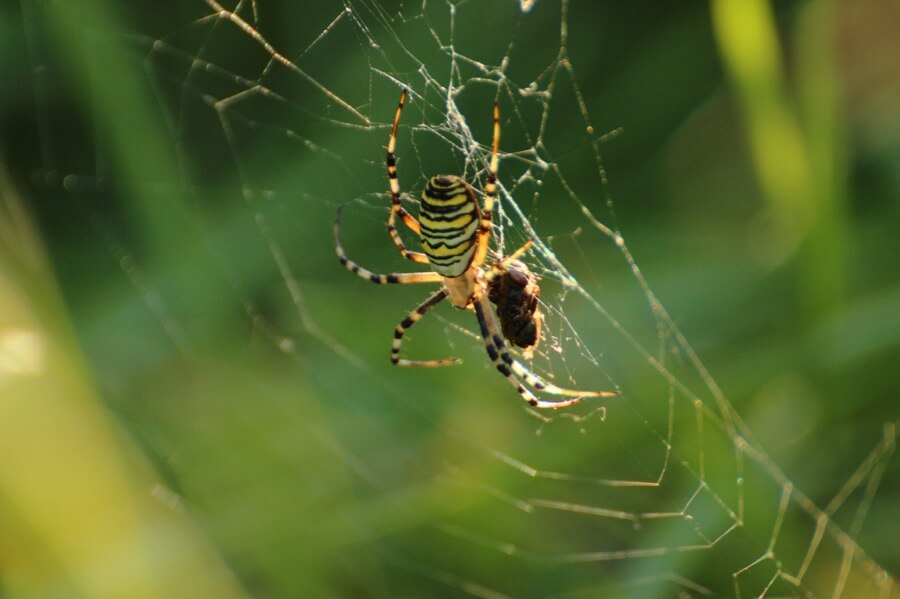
448,219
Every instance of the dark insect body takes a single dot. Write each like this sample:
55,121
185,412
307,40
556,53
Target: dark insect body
515,293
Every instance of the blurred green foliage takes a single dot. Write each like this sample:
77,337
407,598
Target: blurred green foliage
224,430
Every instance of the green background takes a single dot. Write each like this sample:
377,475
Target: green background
182,421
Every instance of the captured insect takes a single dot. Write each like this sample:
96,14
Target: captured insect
455,233
514,290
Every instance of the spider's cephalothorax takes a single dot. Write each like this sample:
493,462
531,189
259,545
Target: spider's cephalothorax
455,233
515,292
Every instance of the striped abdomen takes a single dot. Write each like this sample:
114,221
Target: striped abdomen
448,219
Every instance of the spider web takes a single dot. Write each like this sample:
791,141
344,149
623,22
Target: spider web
280,120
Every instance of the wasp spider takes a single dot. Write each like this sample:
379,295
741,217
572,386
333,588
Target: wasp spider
455,232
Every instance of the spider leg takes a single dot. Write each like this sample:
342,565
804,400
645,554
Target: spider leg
490,193
396,208
417,257
503,265
489,334
402,278
524,373
411,319
537,382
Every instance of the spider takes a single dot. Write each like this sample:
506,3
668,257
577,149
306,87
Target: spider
455,233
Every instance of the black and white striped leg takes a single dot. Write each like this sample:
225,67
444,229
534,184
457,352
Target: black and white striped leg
488,333
411,319
396,208
401,278
417,257
537,382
